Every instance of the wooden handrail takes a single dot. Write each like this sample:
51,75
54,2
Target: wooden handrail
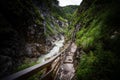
23,74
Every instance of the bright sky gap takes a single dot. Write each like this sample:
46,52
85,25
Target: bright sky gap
69,2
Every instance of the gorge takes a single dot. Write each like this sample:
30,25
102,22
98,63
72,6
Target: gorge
33,31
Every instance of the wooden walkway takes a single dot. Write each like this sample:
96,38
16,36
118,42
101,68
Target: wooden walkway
59,67
67,70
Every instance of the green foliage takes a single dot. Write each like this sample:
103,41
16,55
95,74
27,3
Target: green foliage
100,39
96,65
27,63
69,32
49,29
68,11
36,76
52,26
87,36
62,19
85,67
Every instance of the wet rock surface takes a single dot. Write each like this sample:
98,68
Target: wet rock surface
22,31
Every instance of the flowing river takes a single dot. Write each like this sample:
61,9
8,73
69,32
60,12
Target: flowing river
58,44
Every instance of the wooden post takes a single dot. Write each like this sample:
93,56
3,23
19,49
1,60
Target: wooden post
49,72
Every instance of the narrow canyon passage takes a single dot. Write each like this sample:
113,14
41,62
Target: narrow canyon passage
59,39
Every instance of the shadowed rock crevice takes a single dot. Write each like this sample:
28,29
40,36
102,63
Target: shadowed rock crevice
27,29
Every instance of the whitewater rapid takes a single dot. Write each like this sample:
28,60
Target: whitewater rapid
58,44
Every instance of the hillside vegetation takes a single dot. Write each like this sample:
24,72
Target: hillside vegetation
27,28
68,11
97,27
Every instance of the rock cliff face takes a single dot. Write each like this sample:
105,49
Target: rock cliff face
97,23
26,29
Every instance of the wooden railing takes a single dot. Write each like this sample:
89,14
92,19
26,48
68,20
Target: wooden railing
50,68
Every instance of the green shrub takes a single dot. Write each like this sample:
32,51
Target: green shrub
99,37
